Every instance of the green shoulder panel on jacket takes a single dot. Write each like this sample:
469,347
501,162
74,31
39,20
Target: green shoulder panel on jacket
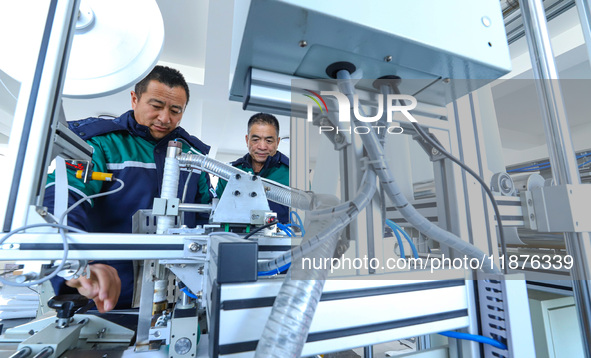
219,188
279,175
121,147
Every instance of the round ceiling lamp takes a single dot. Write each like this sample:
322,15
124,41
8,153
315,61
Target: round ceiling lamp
116,43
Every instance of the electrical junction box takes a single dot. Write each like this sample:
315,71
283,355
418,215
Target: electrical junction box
419,39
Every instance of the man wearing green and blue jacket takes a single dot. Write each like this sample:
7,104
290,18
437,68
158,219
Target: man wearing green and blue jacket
263,158
133,148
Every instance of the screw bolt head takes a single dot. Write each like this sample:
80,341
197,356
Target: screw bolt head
194,247
486,21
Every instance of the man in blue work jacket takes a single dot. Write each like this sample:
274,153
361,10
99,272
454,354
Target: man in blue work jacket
133,148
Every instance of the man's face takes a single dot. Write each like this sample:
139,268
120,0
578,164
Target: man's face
262,141
160,108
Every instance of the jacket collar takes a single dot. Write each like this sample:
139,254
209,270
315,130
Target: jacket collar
144,132
90,127
271,162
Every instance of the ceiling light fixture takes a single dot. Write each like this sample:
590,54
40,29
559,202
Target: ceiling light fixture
116,43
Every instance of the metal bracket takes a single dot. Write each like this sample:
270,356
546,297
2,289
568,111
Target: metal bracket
168,207
562,208
159,206
338,137
67,143
193,277
83,333
527,206
433,153
172,206
160,333
243,194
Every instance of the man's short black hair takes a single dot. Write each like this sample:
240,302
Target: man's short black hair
165,75
264,118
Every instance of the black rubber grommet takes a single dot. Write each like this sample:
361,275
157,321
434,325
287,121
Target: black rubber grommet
333,69
387,80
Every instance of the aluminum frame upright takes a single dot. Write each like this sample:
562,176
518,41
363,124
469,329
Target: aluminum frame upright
561,150
464,209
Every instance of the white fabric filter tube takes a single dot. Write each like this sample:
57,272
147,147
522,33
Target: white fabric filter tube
170,185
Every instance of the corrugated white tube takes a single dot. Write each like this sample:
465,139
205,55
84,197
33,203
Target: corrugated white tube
170,184
406,209
334,225
275,192
289,323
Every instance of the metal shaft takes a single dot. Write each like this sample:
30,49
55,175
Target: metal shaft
561,150
44,353
186,301
195,208
22,353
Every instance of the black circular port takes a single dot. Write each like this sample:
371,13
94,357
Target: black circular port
333,69
390,80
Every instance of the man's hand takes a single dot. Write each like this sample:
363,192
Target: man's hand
104,286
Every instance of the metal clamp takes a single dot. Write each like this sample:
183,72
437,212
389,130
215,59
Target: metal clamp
168,207
74,269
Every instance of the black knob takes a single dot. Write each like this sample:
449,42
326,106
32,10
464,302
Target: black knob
66,305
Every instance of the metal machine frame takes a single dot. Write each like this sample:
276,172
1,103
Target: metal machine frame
233,308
